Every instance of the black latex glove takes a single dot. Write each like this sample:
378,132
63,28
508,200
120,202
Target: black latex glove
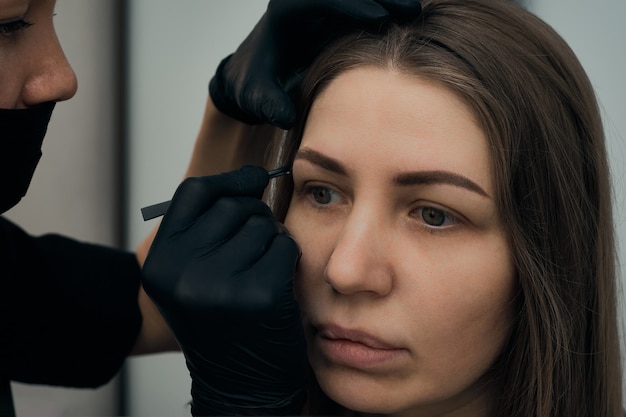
220,270
252,84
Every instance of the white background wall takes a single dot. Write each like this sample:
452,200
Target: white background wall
177,45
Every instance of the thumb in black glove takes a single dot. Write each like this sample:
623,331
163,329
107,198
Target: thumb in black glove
252,84
220,271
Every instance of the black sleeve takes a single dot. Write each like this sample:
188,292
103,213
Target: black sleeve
69,313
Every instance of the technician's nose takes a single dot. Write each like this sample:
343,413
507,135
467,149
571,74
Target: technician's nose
51,77
359,261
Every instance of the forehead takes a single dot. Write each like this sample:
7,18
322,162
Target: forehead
377,117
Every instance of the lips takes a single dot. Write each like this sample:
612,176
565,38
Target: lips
356,348
334,332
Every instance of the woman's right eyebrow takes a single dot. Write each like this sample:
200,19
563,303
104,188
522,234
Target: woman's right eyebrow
321,160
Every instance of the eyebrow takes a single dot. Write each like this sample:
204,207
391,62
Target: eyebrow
405,179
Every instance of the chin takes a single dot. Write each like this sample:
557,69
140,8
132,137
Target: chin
358,392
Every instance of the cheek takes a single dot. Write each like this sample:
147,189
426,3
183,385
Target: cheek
477,284
460,291
479,310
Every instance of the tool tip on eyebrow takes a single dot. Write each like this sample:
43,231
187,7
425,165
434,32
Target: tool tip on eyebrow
286,170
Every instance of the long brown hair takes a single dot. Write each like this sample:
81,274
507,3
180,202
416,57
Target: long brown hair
539,112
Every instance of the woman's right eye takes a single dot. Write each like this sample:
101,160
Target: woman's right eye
319,196
322,195
10,28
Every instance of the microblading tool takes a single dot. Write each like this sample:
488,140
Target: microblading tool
159,209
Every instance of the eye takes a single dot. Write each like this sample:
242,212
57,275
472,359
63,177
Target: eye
10,28
322,195
435,217
432,216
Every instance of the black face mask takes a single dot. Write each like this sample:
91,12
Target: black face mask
21,135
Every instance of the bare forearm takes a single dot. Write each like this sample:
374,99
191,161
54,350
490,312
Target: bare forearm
155,335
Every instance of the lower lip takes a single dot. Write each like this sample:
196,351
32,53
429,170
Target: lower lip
357,355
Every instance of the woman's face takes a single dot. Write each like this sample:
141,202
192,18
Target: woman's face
33,68
406,280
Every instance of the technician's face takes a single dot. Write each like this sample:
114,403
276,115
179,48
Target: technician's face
405,281
33,68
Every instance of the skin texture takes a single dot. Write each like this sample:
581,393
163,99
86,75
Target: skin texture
405,281
34,68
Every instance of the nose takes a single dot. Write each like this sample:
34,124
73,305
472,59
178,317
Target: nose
360,261
51,77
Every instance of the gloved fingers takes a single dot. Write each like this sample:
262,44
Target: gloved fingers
224,278
325,21
279,265
259,102
262,259
224,94
364,13
183,258
267,286
250,243
294,12
248,96
226,218
268,101
195,195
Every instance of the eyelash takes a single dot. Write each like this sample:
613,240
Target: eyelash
449,220
11,28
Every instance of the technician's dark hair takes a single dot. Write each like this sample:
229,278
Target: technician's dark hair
537,107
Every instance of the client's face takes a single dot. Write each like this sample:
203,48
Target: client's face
406,280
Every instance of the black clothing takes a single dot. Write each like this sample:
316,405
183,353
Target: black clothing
69,314
23,131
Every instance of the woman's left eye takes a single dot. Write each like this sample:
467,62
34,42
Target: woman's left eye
434,217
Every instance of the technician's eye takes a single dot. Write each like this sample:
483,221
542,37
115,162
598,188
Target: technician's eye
11,28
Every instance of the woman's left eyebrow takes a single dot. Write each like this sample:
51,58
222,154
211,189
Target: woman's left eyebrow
439,177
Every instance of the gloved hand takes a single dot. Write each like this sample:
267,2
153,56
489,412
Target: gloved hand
220,271
252,84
